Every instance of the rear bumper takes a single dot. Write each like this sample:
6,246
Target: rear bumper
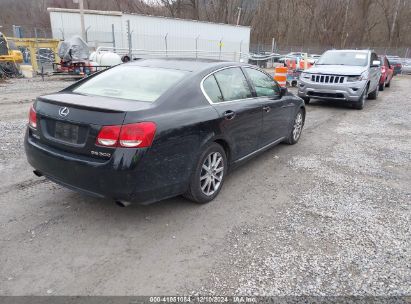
94,177
119,178
345,91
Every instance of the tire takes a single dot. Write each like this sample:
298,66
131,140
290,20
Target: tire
381,87
125,58
201,185
306,100
374,94
296,128
387,85
359,104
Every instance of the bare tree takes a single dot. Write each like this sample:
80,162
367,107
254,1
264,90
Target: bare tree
328,23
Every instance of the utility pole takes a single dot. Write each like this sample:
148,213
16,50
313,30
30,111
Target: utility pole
239,14
81,8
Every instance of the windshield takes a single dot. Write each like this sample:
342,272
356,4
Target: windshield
343,58
131,82
394,59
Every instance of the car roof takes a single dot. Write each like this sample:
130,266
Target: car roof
185,64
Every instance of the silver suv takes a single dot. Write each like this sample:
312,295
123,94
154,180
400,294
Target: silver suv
349,75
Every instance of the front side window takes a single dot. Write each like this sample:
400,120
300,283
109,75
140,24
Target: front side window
263,84
374,57
131,82
233,84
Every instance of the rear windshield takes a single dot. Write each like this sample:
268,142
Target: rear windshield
343,58
131,82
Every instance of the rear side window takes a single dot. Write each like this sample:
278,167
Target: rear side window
212,90
374,57
233,84
131,82
263,84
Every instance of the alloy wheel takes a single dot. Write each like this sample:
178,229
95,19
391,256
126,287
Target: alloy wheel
298,125
212,172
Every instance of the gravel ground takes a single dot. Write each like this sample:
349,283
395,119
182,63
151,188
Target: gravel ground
328,216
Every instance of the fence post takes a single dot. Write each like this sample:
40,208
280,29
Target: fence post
86,33
241,44
272,51
129,39
197,46
33,54
220,45
113,37
62,33
165,41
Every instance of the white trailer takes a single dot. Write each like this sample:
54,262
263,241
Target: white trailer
153,35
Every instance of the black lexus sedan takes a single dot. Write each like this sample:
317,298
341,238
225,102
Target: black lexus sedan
157,128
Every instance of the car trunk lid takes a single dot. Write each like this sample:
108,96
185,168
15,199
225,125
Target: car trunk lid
71,122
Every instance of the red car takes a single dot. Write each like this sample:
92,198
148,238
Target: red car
387,71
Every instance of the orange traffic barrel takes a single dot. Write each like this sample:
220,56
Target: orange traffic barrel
280,75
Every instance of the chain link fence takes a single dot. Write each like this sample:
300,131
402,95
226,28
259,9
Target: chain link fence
146,46
167,45
259,48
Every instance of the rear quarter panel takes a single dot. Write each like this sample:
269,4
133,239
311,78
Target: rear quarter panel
185,123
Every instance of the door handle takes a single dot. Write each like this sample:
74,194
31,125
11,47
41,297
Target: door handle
267,109
228,115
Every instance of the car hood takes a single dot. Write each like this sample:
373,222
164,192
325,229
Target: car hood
337,69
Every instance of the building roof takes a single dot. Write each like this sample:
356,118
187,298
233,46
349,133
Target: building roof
118,13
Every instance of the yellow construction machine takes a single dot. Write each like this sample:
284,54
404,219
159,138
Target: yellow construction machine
10,58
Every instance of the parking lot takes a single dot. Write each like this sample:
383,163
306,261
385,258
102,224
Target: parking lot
328,216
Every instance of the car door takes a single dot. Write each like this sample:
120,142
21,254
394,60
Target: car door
375,72
274,109
389,69
240,112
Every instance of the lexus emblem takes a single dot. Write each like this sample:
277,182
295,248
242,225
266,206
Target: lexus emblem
63,111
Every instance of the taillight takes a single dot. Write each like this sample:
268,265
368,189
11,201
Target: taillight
32,118
137,135
108,136
134,135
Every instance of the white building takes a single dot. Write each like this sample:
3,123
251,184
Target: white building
154,35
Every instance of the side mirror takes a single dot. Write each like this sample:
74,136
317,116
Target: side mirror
283,91
375,63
